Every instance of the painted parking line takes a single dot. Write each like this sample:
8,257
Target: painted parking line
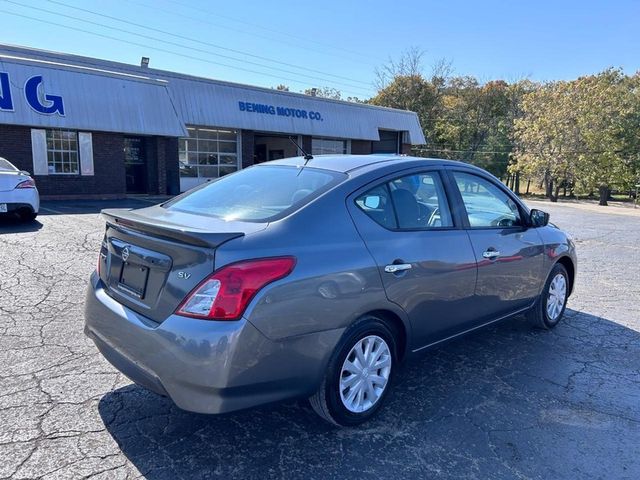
51,210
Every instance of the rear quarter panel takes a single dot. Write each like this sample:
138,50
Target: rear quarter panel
334,282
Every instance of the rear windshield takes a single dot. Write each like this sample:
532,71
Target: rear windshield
7,166
257,194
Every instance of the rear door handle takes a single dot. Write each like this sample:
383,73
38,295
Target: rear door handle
397,267
491,254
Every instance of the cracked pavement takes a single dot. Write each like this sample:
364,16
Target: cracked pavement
506,402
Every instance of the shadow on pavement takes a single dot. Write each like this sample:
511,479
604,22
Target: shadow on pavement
11,224
505,402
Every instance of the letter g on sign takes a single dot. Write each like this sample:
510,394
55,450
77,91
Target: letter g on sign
32,95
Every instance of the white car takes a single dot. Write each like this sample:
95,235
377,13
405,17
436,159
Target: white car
18,192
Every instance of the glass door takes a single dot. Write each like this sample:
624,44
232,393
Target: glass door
135,162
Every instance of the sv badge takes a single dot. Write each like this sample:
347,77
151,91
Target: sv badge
184,275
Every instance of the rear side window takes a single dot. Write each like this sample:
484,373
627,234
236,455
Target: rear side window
257,194
7,166
377,204
487,204
412,202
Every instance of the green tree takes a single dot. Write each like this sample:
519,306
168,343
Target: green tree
324,92
547,137
475,122
412,92
583,132
608,124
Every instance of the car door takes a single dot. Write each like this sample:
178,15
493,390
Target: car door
424,256
509,254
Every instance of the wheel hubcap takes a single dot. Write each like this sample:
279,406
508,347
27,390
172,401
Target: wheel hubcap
365,374
557,296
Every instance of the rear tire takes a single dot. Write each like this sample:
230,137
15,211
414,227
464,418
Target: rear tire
352,392
27,215
550,306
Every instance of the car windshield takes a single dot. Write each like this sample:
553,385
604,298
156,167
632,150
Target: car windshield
257,194
7,166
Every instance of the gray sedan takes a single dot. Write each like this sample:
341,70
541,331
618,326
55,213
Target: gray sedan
317,278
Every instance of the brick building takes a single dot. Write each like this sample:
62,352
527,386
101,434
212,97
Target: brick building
98,129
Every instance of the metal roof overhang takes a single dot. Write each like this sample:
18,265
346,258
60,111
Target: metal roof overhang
224,105
93,100
146,101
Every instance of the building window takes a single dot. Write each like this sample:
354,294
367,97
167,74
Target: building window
208,153
62,152
329,146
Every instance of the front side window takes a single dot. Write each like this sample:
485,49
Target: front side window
257,194
62,152
487,204
412,202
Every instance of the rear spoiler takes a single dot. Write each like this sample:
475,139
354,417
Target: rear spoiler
126,219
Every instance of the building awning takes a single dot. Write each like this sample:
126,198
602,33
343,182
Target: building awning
202,102
52,95
118,97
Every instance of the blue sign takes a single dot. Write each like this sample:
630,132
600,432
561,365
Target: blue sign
280,111
6,102
33,99
50,105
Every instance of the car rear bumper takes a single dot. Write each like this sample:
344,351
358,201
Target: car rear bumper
205,366
21,198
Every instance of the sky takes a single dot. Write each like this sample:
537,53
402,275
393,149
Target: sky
336,43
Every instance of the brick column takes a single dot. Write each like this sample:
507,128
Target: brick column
248,146
169,171
306,143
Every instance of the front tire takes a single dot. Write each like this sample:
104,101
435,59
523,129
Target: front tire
359,375
550,307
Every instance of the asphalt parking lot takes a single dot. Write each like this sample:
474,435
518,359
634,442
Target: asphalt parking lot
507,402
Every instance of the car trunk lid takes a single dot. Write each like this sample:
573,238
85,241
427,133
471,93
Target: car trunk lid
152,258
9,180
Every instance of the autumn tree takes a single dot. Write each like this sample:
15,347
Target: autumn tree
608,124
401,84
582,132
324,92
461,118
547,136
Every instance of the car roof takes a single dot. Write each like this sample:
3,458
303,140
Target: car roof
352,163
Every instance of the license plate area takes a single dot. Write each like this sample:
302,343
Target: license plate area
133,279
3,208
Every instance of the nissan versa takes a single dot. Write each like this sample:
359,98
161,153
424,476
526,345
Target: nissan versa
315,278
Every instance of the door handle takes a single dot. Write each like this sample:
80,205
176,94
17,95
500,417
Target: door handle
491,254
397,267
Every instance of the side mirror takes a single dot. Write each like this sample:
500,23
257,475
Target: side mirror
372,201
538,218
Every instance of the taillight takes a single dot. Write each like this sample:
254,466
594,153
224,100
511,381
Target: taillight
30,183
226,294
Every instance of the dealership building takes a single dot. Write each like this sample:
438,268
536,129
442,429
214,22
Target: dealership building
98,129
